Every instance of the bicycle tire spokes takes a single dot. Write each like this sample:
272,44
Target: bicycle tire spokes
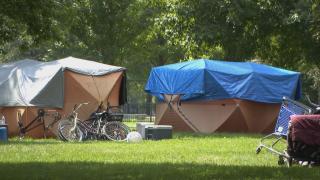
68,132
116,131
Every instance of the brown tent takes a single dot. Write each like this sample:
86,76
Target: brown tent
73,81
217,96
230,115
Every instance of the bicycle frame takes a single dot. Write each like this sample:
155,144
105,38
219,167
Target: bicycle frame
40,118
73,117
94,130
97,123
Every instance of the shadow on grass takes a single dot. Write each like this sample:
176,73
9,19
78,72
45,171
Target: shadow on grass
11,142
93,170
31,141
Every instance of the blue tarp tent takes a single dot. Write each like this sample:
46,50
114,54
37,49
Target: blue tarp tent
213,80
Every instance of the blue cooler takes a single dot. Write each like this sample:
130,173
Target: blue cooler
3,133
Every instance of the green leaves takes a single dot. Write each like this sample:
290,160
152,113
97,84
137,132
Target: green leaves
140,34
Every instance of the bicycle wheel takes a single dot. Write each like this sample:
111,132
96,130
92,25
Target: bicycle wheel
116,131
67,131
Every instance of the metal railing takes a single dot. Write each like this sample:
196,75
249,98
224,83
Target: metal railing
134,112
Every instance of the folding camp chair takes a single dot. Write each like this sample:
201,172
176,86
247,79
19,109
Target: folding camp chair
288,107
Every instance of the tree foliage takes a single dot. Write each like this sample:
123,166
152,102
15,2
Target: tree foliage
141,34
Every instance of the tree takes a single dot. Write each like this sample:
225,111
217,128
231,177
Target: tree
26,24
141,34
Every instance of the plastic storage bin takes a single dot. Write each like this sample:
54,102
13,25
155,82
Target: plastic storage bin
141,126
3,133
158,132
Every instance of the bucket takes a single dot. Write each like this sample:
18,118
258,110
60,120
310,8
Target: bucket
3,133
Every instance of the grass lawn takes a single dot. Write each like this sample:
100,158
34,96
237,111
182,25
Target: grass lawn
131,125
186,156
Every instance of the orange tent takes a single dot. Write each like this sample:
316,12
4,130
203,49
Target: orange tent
229,115
71,81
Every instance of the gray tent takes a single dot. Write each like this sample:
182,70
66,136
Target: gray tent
33,83
27,85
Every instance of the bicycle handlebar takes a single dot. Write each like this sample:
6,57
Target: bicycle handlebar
313,104
77,106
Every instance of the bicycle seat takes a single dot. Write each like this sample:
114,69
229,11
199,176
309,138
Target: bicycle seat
41,112
317,110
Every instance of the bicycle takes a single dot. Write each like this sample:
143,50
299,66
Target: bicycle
98,126
68,129
40,119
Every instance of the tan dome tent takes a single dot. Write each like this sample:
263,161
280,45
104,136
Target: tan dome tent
215,96
28,85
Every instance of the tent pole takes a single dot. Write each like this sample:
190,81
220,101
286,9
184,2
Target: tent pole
185,117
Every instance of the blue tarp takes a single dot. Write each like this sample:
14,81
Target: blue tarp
212,80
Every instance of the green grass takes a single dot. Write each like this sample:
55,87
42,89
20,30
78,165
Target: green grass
131,125
186,156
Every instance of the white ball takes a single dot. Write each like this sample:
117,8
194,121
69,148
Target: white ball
134,137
